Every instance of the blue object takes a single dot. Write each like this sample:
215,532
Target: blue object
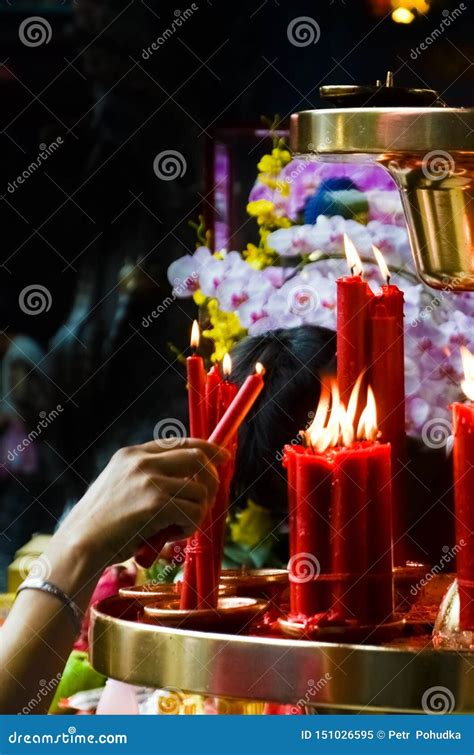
336,196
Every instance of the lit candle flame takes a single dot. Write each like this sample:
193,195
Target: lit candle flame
333,424
367,427
468,366
195,335
259,369
352,256
381,263
227,365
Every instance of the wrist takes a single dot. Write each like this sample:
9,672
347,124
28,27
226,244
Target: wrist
74,566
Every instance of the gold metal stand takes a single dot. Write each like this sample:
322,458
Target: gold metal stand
327,676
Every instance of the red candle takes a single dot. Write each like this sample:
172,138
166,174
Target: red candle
236,413
380,539
202,567
309,492
147,554
196,388
341,497
353,297
386,374
210,539
463,460
227,393
212,398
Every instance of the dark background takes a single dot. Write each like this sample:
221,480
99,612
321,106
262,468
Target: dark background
97,228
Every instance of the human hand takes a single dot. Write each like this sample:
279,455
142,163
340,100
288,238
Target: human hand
142,490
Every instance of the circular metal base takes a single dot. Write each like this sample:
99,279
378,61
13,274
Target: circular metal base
346,677
381,131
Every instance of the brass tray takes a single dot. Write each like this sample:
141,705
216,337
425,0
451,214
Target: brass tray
378,131
326,676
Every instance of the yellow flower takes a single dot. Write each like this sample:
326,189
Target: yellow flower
251,526
275,162
199,298
225,330
262,209
259,257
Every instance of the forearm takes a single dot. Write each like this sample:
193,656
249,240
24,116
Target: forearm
38,635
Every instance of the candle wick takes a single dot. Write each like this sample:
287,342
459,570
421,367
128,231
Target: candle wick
388,279
353,268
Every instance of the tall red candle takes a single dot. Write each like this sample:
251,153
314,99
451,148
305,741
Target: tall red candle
213,383
210,538
463,460
310,476
353,297
239,408
386,374
380,551
196,389
147,554
349,533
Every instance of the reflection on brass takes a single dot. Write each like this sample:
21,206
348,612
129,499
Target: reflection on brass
329,676
430,154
